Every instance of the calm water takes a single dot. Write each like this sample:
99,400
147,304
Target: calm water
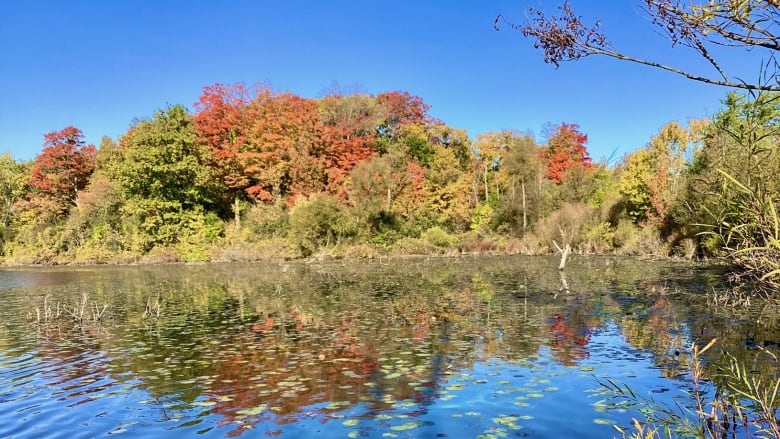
466,347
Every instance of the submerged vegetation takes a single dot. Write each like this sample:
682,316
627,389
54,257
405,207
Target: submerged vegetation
253,174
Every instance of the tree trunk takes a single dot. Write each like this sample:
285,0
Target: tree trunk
389,200
564,254
487,188
514,187
525,212
237,213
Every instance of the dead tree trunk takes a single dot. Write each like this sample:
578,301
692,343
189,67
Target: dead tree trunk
564,254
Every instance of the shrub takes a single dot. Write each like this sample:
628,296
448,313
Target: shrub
319,222
275,248
598,237
630,239
365,251
265,221
438,237
413,246
474,243
565,225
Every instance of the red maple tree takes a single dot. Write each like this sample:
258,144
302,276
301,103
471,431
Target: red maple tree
63,167
222,126
565,151
402,108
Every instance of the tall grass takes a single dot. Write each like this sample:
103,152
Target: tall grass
728,403
749,230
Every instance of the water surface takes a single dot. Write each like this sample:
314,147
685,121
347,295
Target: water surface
460,347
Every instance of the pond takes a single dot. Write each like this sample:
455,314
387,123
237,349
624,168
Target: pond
444,347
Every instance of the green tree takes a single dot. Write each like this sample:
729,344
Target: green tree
523,168
13,187
165,185
318,223
92,231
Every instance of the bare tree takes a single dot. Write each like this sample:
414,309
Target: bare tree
697,24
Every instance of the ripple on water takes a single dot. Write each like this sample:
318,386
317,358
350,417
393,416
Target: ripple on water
448,353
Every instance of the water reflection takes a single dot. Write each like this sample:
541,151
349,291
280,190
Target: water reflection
357,348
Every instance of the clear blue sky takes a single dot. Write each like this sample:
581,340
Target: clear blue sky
99,64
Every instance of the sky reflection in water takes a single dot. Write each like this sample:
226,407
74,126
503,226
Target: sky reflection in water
423,348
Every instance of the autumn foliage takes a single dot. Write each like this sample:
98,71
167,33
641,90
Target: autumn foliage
64,166
314,172
566,152
222,125
270,145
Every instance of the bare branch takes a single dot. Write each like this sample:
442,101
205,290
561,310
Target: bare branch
689,75
745,24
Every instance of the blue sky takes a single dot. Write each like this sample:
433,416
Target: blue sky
97,65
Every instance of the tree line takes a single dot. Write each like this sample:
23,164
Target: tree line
252,173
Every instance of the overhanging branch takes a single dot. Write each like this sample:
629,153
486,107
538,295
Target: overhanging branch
678,71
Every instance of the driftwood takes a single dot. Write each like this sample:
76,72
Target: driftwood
564,254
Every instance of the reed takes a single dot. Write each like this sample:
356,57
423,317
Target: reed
748,228
153,307
737,404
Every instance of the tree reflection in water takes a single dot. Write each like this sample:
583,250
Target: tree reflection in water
261,347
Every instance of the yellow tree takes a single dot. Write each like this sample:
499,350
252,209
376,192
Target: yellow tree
448,190
490,148
635,184
653,175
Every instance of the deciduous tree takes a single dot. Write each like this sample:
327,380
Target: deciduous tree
13,184
523,166
162,177
448,190
63,167
565,152
349,124
400,108
281,126
222,123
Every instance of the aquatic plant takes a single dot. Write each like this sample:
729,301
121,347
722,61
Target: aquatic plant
47,312
81,311
153,307
733,403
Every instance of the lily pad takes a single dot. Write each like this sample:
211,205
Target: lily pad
253,411
406,426
204,403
